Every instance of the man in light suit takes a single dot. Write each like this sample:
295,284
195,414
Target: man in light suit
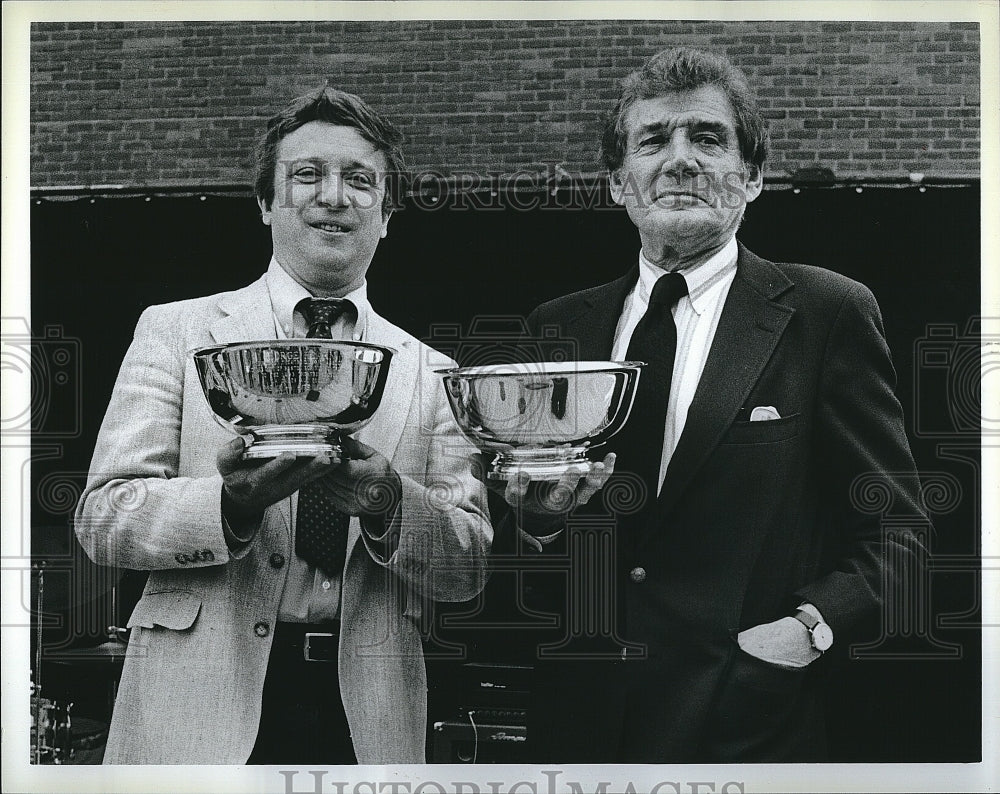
740,549
219,668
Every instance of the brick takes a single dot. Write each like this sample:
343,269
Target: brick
478,94
849,124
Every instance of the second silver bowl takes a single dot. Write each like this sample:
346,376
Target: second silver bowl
541,418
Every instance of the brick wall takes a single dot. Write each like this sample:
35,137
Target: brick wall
180,104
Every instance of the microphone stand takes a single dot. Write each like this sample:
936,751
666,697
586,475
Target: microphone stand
40,566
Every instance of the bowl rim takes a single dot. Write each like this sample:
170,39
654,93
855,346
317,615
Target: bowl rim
543,368
296,342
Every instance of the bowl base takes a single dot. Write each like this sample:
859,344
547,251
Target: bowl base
271,449
306,441
545,467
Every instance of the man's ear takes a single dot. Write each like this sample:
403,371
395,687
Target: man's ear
265,212
385,224
617,186
754,182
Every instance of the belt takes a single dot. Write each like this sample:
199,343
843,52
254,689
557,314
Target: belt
307,642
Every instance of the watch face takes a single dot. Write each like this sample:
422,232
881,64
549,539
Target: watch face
822,637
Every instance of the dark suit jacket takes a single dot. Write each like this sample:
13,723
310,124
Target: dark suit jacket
753,519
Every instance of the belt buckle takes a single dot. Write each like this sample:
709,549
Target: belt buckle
315,640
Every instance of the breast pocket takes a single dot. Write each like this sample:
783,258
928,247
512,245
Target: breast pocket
169,609
765,432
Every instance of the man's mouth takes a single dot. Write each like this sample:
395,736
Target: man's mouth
329,227
683,196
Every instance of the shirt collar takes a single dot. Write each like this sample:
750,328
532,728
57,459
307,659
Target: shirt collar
701,278
286,293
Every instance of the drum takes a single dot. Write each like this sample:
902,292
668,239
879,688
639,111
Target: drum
64,739
87,740
51,731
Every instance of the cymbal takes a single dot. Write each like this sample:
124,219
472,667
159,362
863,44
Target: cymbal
112,650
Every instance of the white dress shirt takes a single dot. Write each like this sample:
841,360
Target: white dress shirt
696,316
310,596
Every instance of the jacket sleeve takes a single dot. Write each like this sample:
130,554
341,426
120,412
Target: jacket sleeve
440,538
135,511
868,470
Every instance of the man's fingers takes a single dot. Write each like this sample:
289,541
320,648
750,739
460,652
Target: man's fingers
264,475
597,476
560,497
516,489
288,473
592,482
356,450
230,456
260,484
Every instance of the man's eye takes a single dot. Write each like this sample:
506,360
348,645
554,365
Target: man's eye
307,174
361,180
708,139
651,140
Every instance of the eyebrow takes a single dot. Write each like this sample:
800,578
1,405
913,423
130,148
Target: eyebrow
700,125
350,165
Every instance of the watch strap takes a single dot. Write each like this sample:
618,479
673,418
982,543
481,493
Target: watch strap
807,619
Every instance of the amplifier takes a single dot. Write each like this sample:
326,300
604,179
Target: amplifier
493,689
470,741
487,717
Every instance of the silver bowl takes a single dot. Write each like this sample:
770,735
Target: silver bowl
541,418
293,395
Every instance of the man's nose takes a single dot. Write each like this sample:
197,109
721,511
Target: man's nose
680,155
332,191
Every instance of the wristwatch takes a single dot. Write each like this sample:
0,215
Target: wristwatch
820,634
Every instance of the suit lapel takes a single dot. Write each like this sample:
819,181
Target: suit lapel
385,429
592,326
750,326
247,315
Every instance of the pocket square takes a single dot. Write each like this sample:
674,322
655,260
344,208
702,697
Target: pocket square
764,413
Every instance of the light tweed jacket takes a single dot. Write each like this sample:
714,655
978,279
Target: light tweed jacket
201,633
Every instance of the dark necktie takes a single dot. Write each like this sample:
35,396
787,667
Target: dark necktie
320,528
640,442
321,314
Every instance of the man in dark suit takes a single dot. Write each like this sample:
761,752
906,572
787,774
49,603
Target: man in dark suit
699,591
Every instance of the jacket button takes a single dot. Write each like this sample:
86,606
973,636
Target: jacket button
261,629
277,560
637,575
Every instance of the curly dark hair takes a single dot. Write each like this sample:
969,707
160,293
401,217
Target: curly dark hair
685,69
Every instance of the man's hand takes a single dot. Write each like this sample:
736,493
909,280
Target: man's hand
541,505
364,482
783,643
251,486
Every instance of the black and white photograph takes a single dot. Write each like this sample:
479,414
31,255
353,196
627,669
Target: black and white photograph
500,397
